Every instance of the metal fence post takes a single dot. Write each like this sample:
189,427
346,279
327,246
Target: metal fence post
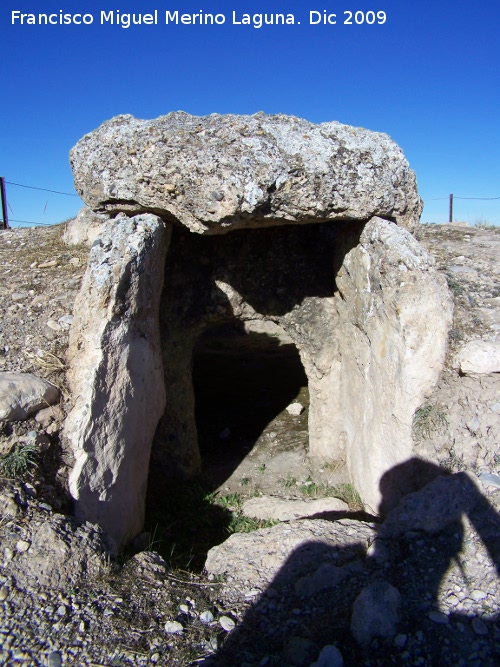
3,197
451,209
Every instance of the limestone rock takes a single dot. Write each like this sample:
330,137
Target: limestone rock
479,356
23,394
116,374
57,553
269,507
375,612
439,503
84,228
395,311
287,552
221,172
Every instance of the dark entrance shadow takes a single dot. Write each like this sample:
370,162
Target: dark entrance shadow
242,382
420,542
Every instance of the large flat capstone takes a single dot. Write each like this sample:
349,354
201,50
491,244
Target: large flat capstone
221,172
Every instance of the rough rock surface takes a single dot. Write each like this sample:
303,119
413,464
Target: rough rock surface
395,312
51,549
216,173
23,394
479,356
84,228
257,558
376,612
116,375
267,507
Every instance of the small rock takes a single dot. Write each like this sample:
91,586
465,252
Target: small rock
330,656
174,628
206,617
74,261
375,612
299,651
61,610
477,595
439,617
295,409
227,623
48,265
400,641
225,433
52,324
65,321
54,659
479,627
22,546
4,593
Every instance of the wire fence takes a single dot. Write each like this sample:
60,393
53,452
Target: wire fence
5,223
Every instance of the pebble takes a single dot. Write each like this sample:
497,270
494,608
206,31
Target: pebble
54,659
206,617
22,546
439,617
174,628
227,623
400,641
4,593
477,595
52,324
479,627
48,265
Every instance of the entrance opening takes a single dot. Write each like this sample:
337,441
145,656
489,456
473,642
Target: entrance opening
245,375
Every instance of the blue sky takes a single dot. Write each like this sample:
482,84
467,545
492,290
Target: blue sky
428,77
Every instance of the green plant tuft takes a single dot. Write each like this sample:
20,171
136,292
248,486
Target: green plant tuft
19,460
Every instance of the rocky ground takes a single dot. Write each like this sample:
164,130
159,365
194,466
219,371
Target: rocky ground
421,588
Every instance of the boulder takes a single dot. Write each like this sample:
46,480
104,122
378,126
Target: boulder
395,311
479,357
84,228
222,172
116,375
288,552
23,394
376,612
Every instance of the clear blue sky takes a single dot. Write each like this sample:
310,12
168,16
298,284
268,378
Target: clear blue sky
428,77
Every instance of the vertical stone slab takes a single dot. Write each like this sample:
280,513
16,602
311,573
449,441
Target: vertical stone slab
116,374
395,311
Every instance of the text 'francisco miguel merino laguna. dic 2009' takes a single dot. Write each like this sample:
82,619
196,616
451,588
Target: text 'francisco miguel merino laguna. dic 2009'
201,18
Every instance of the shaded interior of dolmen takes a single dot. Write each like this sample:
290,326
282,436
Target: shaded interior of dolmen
243,381
243,319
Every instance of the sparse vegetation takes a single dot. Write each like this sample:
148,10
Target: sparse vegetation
455,286
428,419
18,462
452,462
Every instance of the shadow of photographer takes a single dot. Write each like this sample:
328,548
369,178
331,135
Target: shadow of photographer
439,546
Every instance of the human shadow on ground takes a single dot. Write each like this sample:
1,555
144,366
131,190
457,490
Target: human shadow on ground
423,548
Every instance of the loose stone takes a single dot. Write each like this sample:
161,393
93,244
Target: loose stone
227,623
174,628
479,627
439,617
